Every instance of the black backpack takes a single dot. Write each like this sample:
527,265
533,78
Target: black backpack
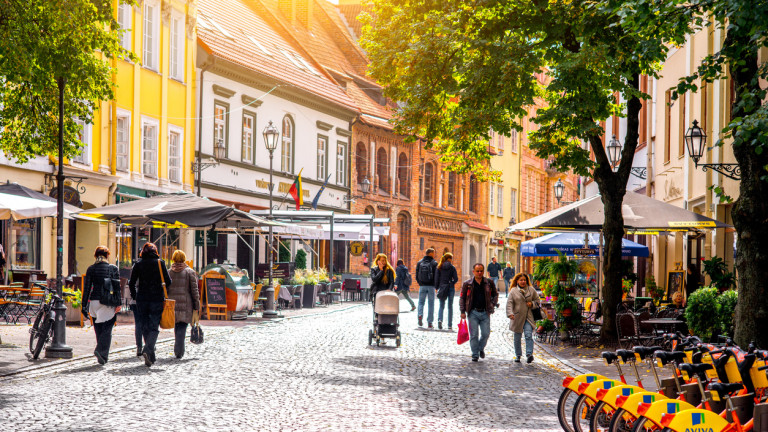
425,274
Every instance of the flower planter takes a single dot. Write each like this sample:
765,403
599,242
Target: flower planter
566,312
554,299
73,317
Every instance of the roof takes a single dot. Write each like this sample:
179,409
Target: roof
254,38
350,13
477,225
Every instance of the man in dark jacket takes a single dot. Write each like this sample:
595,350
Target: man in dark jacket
494,268
425,276
403,282
150,297
478,300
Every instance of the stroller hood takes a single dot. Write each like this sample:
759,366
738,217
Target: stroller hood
387,303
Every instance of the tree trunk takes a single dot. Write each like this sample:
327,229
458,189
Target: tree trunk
750,215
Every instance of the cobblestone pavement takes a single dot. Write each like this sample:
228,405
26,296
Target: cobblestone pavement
312,373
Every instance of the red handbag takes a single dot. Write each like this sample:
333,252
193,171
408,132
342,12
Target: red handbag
463,332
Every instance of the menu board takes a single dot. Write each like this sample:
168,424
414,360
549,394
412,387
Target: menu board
215,291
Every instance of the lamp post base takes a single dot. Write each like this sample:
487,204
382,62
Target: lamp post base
270,314
58,348
58,352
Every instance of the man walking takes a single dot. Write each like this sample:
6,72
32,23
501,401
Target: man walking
494,268
478,300
425,276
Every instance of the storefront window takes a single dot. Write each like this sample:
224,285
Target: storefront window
26,238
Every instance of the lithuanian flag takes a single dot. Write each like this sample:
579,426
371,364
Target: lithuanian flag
297,192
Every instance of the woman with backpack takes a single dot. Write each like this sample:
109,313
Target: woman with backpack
96,278
403,282
445,283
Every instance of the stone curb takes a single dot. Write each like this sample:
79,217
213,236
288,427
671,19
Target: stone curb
209,333
547,350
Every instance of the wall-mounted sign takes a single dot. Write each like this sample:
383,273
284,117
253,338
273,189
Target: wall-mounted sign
71,195
356,248
212,238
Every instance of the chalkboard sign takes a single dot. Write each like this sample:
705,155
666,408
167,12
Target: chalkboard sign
215,291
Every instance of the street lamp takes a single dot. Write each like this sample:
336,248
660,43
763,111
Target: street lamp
365,186
695,140
614,157
219,149
271,135
559,189
219,152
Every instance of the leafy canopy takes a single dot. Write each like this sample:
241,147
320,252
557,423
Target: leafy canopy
40,41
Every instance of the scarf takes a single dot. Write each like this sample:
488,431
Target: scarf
178,267
101,259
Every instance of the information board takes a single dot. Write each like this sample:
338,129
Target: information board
215,291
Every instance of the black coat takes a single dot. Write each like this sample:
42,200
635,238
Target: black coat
377,276
509,272
402,274
446,276
147,273
94,280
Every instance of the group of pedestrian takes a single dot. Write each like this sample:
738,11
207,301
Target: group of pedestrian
149,284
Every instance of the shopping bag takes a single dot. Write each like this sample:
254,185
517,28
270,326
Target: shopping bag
463,332
168,319
196,335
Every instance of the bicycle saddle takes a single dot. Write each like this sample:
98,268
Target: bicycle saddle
645,352
609,357
724,389
667,357
626,355
699,369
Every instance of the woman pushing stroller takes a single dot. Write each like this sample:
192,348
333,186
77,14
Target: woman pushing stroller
382,275
387,307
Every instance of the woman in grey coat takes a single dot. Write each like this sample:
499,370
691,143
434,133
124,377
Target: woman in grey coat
184,290
522,298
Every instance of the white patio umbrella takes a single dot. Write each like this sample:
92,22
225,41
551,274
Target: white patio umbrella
18,207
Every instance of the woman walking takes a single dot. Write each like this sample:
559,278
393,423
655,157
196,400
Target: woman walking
509,273
522,298
184,290
382,275
150,273
103,316
403,282
445,283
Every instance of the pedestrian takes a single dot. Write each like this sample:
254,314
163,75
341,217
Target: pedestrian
382,275
184,290
509,273
425,277
522,299
478,300
445,284
692,280
150,273
403,282
103,316
494,268
2,262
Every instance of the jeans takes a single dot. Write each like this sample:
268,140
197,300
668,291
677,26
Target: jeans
495,280
506,286
528,330
478,322
138,326
180,333
407,296
427,292
150,312
448,300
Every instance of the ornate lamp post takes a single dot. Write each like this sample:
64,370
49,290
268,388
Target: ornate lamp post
219,152
695,140
614,157
271,135
559,188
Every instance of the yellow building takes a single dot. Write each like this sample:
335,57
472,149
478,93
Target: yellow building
503,197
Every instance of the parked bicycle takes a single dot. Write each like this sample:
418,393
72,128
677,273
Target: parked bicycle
42,329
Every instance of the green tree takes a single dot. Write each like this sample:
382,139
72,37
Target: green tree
745,25
301,259
41,41
460,68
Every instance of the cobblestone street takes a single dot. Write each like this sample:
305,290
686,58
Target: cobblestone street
312,373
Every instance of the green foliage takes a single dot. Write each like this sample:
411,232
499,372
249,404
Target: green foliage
726,303
546,325
565,301
40,41
701,312
562,267
301,259
76,299
628,270
283,251
717,270
539,269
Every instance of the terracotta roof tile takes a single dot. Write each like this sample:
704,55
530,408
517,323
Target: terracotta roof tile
478,225
350,12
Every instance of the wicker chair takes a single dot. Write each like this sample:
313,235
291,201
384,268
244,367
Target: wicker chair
626,330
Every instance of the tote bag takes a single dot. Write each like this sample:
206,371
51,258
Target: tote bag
168,319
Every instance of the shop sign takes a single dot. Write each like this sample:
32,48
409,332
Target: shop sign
211,240
279,270
356,248
499,234
71,195
584,252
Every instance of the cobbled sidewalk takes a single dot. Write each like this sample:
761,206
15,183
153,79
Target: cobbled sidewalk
312,373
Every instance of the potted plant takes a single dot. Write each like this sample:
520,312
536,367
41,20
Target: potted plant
717,270
562,268
654,291
626,287
701,312
544,326
566,305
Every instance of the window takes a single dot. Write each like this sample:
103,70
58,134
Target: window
451,189
220,132
341,163
151,36
177,48
513,140
247,154
667,126
473,194
680,134
123,157
382,169
500,142
84,135
174,156
286,158
513,204
500,203
402,175
125,20
149,149
491,194
429,181
361,162
322,157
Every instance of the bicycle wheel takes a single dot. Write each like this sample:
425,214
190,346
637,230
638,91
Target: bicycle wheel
582,412
621,421
644,425
34,332
565,406
45,335
600,417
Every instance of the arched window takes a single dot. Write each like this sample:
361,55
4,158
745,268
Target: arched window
361,162
404,239
472,194
402,175
451,189
286,149
429,182
382,169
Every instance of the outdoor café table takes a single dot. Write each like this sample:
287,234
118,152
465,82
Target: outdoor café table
666,324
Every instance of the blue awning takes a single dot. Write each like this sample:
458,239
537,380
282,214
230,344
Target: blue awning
566,243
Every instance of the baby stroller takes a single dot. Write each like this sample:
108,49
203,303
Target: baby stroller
386,321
